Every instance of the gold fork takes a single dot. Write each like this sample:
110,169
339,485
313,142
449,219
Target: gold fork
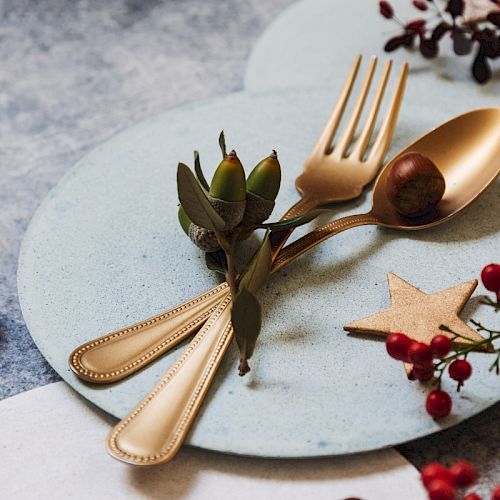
329,176
155,429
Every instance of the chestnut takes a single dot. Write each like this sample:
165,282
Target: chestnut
414,185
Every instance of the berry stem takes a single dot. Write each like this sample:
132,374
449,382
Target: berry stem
438,10
488,302
444,363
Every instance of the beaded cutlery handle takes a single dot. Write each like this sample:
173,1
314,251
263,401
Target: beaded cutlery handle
155,429
118,354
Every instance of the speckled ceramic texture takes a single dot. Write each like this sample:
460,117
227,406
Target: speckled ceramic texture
105,250
314,42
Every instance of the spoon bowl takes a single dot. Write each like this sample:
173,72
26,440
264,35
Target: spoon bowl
466,150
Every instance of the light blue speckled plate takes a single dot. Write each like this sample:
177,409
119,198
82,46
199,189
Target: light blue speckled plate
313,44
104,250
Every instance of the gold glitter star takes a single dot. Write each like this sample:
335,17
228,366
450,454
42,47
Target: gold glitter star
420,315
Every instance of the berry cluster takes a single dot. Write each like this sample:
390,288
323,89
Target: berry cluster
483,35
431,361
421,356
442,483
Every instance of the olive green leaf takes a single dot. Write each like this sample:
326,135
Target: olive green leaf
222,143
246,317
195,202
199,171
256,273
216,261
300,220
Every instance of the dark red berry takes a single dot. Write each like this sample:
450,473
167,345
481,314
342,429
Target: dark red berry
441,345
417,25
494,18
460,370
422,374
463,474
455,7
433,471
428,47
472,496
495,494
438,404
481,69
441,490
420,4
490,276
386,9
420,354
394,43
397,345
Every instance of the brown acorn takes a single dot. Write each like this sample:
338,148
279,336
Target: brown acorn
414,185
203,238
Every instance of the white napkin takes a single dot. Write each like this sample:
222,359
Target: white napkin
53,447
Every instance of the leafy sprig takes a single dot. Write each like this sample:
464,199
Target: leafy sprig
481,36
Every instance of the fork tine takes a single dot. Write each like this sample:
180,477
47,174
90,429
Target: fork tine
325,139
345,138
360,146
386,131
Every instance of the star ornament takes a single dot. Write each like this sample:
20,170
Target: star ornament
419,315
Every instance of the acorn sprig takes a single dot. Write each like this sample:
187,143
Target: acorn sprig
216,216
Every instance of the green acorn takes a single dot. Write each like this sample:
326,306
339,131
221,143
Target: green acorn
184,220
228,190
263,185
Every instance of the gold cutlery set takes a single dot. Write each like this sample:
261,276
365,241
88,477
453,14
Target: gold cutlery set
467,151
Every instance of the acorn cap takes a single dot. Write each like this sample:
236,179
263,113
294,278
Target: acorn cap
203,238
184,220
231,211
257,209
265,178
228,182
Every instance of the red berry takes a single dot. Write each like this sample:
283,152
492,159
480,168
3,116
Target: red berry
397,345
463,474
441,490
420,5
460,370
441,345
438,404
386,9
472,496
423,374
490,276
416,25
495,494
420,354
433,471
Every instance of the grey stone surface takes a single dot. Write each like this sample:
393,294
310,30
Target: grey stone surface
73,74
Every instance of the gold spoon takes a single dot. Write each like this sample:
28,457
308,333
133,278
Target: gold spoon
467,151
